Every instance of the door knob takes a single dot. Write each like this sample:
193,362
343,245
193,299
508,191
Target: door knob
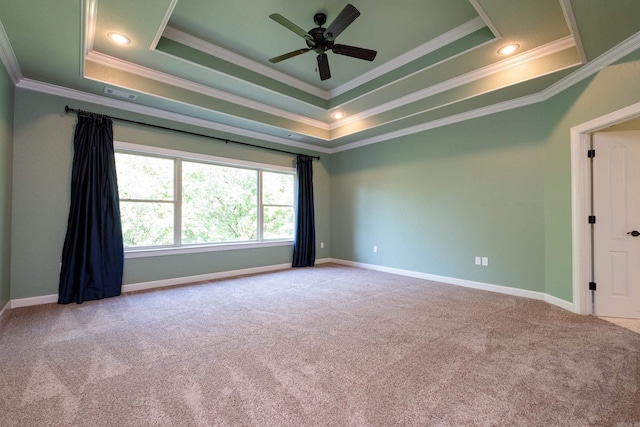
634,233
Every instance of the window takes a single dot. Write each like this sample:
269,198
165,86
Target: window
147,202
277,205
178,200
219,203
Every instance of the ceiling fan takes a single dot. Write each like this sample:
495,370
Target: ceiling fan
322,39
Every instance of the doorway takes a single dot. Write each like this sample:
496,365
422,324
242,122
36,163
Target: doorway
581,202
616,239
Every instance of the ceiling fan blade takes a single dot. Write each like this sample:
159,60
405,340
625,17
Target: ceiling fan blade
288,55
342,21
323,67
355,52
290,25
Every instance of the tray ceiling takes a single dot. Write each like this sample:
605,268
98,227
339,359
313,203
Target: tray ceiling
206,62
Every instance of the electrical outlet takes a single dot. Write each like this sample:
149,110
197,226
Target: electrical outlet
321,245
478,261
485,261
375,249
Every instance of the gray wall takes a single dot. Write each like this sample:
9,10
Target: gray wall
43,136
6,155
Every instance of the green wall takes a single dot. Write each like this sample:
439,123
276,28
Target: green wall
496,186
6,154
612,88
433,201
43,150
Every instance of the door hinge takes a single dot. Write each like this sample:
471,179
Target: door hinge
592,286
592,219
591,154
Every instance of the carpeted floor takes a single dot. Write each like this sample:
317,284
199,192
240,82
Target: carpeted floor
323,346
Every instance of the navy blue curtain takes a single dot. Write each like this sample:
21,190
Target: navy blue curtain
304,246
92,257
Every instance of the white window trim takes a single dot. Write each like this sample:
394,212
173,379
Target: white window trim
186,155
192,249
210,247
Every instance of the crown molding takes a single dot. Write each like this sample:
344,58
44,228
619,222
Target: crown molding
89,24
418,52
468,115
613,55
109,61
241,61
480,73
163,25
486,18
618,52
626,47
609,57
567,10
8,57
337,123
89,13
481,110
77,95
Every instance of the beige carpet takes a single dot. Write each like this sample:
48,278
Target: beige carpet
323,346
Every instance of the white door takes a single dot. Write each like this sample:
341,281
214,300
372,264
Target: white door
616,196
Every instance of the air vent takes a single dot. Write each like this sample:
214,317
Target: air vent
120,94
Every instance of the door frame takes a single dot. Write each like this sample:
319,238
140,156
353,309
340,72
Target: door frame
581,201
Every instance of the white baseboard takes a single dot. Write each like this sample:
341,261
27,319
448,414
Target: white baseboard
569,306
462,282
201,278
209,276
49,299
6,307
27,302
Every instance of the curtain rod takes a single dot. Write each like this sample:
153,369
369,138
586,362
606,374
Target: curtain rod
67,109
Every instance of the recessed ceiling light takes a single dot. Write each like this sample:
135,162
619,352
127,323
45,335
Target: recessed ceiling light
119,38
337,115
508,49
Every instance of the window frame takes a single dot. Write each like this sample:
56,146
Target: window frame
178,156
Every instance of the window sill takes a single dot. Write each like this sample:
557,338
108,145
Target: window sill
154,252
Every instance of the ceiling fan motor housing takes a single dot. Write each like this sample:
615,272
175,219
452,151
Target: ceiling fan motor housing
319,43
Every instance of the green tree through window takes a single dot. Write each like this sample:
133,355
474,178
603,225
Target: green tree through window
219,204
171,202
147,205
277,205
